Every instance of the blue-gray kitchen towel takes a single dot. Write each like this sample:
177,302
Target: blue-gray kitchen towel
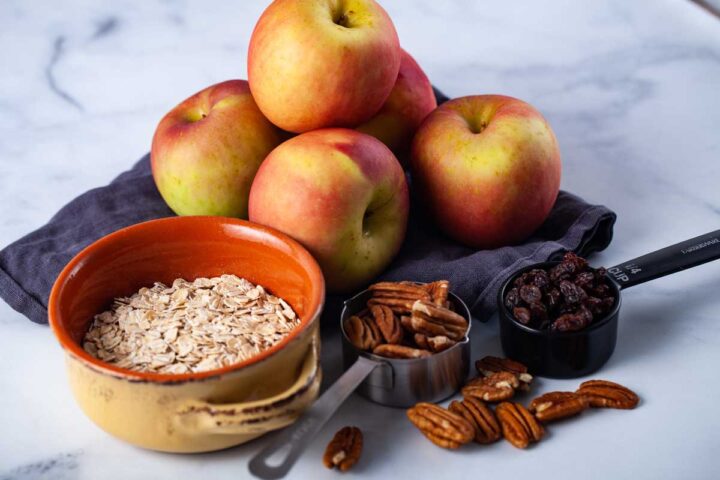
29,266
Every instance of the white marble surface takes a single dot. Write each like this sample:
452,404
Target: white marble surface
632,90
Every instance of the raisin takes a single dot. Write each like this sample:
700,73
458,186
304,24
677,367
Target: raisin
561,271
538,312
572,293
578,262
540,279
601,291
595,305
566,308
586,314
607,304
521,280
569,322
512,299
522,315
530,294
584,279
552,298
566,297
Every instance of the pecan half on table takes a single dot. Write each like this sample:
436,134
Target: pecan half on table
442,427
606,394
487,427
344,449
496,387
488,365
519,426
553,406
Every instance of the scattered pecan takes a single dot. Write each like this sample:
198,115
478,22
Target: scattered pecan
388,323
439,292
488,365
344,449
433,320
493,388
442,427
557,405
362,332
400,351
605,394
519,427
487,427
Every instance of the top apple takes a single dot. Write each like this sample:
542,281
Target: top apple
322,63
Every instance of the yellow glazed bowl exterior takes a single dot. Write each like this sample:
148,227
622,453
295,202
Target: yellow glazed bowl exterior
202,415
204,411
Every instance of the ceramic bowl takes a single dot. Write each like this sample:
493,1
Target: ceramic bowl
203,411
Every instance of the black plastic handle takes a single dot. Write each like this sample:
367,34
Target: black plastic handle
665,261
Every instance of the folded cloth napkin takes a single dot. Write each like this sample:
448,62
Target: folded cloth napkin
29,266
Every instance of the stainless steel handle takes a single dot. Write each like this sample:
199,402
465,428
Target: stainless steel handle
295,438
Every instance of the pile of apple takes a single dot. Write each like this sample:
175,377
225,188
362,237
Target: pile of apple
315,142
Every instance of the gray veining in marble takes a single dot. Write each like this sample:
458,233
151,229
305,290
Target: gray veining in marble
59,467
632,90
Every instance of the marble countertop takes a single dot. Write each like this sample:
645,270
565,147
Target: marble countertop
632,90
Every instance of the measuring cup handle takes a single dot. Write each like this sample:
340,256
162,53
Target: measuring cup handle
295,438
674,258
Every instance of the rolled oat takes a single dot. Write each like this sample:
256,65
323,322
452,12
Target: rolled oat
189,327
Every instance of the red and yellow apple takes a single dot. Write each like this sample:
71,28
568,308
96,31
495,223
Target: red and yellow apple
206,151
410,101
487,168
340,193
322,63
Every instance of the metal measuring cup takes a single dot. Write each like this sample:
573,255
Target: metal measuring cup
579,353
394,382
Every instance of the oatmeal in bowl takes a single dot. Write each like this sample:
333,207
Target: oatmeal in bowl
196,326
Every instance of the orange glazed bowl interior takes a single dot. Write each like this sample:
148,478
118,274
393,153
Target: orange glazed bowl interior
162,250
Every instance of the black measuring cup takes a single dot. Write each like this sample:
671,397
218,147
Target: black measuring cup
578,353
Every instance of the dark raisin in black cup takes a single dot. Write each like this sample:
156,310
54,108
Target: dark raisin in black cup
560,318
567,332
567,296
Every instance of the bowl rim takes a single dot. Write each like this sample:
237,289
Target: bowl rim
506,315
75,350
